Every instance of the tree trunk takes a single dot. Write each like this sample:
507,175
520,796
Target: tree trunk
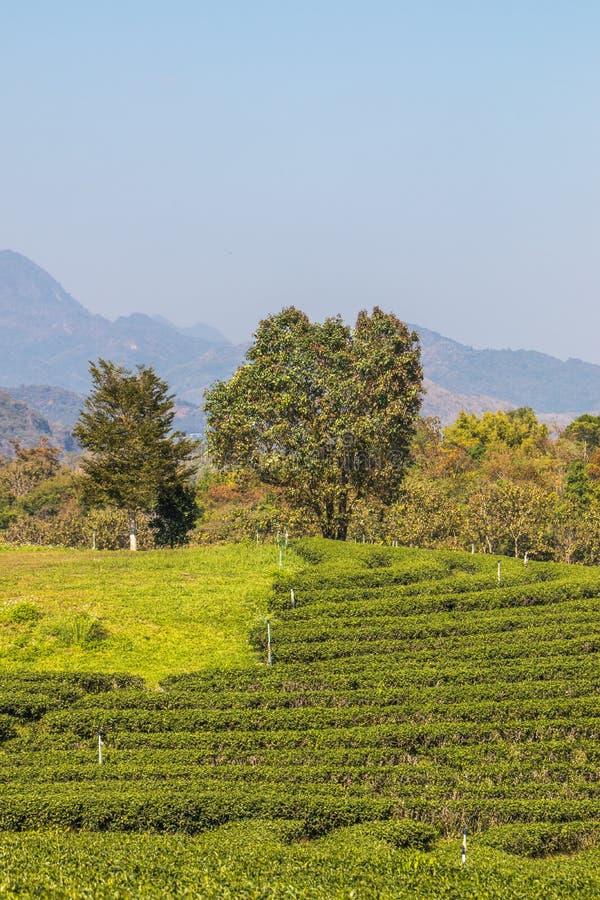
336,530
335,518
132,531
342,531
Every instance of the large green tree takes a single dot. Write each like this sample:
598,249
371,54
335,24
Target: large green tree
136,461
323,410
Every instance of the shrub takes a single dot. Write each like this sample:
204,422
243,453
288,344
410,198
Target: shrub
543,838
80,630
20,614
7,727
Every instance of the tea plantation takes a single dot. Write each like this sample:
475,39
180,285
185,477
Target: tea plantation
411,695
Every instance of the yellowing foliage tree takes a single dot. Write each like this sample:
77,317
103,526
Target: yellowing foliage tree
514,428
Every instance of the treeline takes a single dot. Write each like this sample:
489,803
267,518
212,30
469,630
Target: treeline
43,502
499,483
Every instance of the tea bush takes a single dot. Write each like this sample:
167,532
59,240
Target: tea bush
411,696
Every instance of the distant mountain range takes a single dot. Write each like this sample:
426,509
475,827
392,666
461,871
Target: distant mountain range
47,339
521,377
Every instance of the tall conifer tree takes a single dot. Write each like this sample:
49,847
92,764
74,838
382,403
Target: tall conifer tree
135,459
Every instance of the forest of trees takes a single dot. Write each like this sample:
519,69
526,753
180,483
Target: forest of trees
500,482
317,432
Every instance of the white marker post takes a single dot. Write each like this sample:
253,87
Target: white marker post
269,656
93,540
526,558
472,549
293,597
499,573
100,746
463,852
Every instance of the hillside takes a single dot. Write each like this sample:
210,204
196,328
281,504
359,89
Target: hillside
411,694
33,412
56,404
47,338
61,407
446,405
20,423
521,377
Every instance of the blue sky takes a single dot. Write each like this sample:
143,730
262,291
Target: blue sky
216,161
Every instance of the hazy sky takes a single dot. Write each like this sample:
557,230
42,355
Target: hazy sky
214,161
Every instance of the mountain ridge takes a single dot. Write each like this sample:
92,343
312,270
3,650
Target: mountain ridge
523,377
47,338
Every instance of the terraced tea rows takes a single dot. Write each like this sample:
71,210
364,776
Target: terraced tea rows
405,685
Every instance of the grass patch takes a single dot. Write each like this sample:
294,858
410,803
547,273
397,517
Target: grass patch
150,614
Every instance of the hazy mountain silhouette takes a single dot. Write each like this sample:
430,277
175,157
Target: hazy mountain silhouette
521,377
199,330
47,339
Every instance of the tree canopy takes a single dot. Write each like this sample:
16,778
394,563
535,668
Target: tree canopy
136,461
512,428
540,497
326,411
585,430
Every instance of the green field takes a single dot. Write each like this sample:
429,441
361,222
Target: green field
412,695
148,614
